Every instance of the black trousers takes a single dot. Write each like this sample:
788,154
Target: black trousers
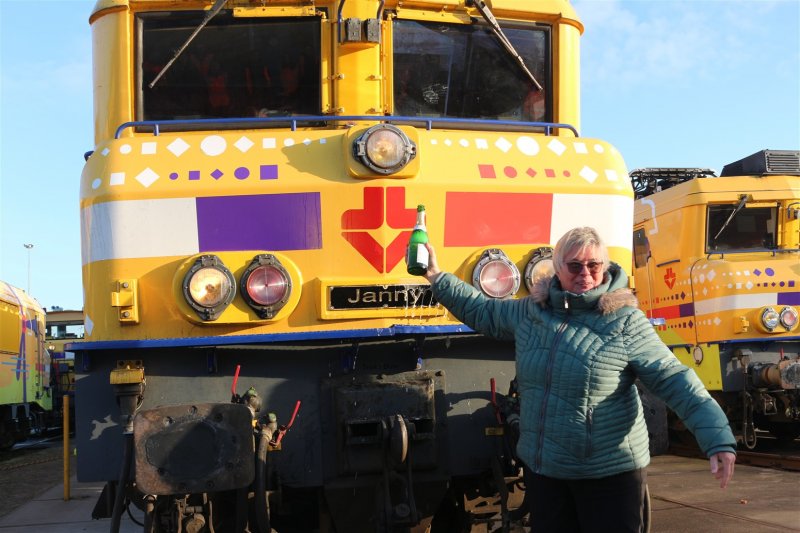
613,504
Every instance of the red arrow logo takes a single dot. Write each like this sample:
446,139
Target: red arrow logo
669,278
380,205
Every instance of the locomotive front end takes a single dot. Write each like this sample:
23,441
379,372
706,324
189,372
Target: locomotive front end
245,214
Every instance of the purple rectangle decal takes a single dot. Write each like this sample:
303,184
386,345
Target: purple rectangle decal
789,298
259,222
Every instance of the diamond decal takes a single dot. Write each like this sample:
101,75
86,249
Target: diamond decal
243,144
178,147
147,177
711,275
717,321
749,285
588,174
757,272
556,146
217,174
503,144
105,151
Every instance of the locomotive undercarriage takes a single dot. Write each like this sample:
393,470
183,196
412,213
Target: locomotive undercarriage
761,391
395,450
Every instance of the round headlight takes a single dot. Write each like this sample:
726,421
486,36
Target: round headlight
209,287
789,318
266,285
495,275
384,148
770,318
697,355
539,266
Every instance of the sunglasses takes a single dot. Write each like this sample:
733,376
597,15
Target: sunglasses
576,267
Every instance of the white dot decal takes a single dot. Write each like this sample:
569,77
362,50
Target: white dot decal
527,145
125,149
213,145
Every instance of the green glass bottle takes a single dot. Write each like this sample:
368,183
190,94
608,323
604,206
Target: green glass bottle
417,253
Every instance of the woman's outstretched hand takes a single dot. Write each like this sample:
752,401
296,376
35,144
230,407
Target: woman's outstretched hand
722,467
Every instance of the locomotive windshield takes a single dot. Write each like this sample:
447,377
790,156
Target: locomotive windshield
232,68
749,228
461,71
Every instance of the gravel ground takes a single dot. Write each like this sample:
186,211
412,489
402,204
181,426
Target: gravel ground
29,470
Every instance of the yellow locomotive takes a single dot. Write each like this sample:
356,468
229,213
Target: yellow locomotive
25,394
716,269
245,211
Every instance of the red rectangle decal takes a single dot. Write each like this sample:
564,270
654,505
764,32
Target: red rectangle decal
484,218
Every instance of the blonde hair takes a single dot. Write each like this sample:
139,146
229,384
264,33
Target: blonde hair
578,239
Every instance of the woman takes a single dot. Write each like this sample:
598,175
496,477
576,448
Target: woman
580,345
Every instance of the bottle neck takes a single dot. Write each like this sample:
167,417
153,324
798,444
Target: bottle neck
420,221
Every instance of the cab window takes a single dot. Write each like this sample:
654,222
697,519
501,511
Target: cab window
461,71
749,228
232,68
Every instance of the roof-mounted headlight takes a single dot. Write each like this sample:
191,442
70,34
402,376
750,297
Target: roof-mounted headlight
495,275
384,148
209,287
266,285
539,266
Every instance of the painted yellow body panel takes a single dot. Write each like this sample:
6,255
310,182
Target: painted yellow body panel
313,161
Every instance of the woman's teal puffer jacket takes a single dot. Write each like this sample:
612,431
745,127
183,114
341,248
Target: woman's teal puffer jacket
577,358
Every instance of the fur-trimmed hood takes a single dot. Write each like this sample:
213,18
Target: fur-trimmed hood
610,296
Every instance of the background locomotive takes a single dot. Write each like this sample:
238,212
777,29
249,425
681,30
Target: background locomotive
716,269
26,397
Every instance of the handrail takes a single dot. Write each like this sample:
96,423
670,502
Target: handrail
430,123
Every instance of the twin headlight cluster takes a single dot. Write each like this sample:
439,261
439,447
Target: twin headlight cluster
209,286
772,319
498,277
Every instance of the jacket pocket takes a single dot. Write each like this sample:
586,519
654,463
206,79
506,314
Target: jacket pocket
579,441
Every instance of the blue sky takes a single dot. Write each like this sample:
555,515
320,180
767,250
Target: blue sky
696,83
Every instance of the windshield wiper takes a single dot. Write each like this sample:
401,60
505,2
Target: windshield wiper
481,6
742,201
211,14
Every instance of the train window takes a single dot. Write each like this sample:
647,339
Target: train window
641,248
232,68
747,228
461,71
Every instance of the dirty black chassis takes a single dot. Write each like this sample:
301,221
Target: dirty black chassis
383,427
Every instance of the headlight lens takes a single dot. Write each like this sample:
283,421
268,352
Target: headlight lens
789,318
209,287
770,318
266,285
495,275
539,265
384,148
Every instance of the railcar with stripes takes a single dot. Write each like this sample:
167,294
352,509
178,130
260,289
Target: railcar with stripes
245,210
26,397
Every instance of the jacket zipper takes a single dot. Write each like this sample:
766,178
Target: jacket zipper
589,426
548,382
